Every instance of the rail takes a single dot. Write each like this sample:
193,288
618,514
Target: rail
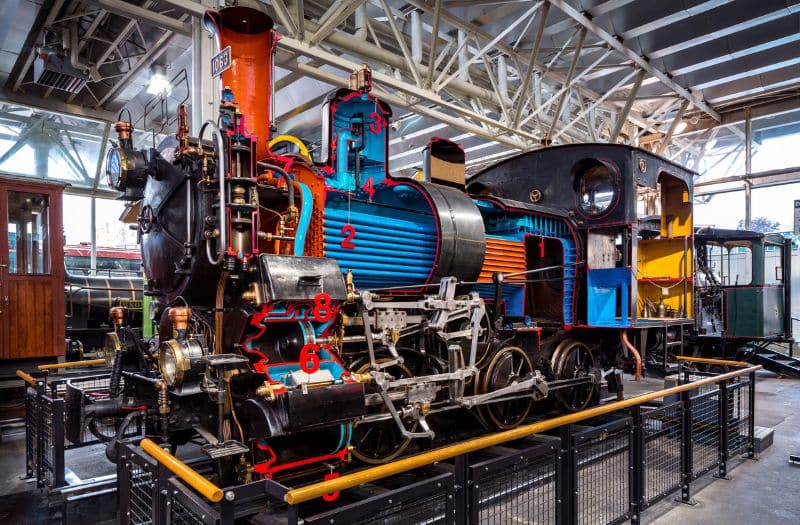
709,361
604,465
210,491
316,490
27,378
72,364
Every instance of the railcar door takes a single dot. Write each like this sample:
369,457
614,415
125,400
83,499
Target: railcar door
31,270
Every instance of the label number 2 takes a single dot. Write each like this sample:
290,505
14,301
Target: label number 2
350,233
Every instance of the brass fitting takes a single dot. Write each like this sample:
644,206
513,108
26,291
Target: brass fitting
163,398
394,334
267,390
123,129
424,408
117,315
179,317
253,294
351,287
361,378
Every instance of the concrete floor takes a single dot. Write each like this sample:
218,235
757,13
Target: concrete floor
761,492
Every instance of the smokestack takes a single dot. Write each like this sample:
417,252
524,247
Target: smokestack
248,30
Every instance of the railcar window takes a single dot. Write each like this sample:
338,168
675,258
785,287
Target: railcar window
773,264
731,264
597,189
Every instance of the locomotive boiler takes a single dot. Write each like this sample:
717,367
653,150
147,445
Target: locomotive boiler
313,312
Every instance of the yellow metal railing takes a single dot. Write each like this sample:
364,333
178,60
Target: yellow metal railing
26,377
708,361
210,491
72,364
316,490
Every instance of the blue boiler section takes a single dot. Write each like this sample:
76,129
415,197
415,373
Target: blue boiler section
389,241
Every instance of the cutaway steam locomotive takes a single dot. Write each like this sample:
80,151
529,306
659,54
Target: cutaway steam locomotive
313,312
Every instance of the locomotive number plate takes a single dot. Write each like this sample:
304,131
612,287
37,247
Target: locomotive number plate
221,62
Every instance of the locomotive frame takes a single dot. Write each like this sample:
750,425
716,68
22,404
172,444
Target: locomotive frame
310,313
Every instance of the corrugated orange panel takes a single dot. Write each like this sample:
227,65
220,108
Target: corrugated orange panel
503,256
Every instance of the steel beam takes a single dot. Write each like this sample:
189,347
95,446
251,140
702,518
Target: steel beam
394,100
51,104
622,115
568,81
146,15
401,41
437,12
764,179
153,53
640,61
521,96
748,169
597,102
328,24
665,142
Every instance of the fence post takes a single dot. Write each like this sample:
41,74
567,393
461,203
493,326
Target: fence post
461,490
686,449
40,391
292,515
751,423
123,486
566,504
637,478
57,429
162,502
724,438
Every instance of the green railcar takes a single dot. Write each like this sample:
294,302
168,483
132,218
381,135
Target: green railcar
742,291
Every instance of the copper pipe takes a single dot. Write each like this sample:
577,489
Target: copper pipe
638,374
315,490
220,312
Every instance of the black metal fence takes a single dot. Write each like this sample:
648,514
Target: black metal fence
606,470
45,422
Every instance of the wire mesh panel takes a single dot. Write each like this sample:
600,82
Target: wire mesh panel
739,411
184,507
662,434
689,375
705,432
603,476
51,428
32,419
428,502
516,488
181,514
138,486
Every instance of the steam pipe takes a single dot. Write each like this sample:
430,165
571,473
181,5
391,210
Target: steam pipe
221,170
636,357
305,219
276,170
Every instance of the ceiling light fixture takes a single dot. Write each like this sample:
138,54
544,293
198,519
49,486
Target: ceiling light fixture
159,83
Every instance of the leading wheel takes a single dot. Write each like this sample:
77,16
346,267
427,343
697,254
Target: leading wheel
507,366
574,360
382,441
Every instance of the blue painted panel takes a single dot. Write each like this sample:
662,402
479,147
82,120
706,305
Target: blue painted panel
513,295
606,288
393,245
